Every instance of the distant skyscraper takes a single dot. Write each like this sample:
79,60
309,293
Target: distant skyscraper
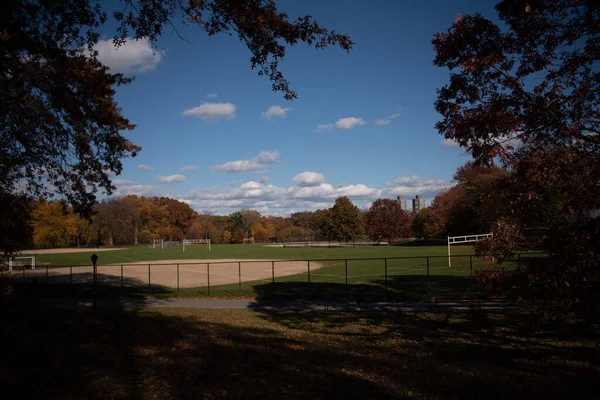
402,202
418,204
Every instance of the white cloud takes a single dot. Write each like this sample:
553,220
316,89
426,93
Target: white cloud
308,178
262,160
138,190
387,120
324,128
267,157
171,178
348,123
144,167
404,180
211,95
274,200
123,182
134,55
189,168
409,186
449,143
359,190
212,111
275,111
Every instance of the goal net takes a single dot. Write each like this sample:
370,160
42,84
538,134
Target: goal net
189,242
21,262
158,244
249,240
464,239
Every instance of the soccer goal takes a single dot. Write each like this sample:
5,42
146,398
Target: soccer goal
249,240
158,244
464,239
21,262
188,242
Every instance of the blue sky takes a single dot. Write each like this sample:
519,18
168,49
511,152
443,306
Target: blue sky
214,134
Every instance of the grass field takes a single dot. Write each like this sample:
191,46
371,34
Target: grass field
256,251
368,272
85,353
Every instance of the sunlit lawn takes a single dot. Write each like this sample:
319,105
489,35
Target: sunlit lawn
82,353
241,251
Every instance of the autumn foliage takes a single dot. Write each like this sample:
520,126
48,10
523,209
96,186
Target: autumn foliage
386,220
527,94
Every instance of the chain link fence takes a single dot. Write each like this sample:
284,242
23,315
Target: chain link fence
392,278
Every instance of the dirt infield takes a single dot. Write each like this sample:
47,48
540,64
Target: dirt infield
70,250
192,273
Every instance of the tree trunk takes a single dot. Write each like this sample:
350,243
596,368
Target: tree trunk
135,234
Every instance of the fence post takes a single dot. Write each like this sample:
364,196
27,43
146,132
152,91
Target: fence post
428,283
121,279
70,274
240,276
308,263
148,276
177,279
208,277
273,272
386,283
346,270
471,275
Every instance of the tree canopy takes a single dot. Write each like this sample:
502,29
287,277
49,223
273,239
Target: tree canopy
61,130
387,220
342,221
527,94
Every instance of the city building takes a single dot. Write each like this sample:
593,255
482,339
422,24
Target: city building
418,204
402,202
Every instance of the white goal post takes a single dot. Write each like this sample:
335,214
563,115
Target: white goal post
464,239
21,261
249,240
158,244
196,241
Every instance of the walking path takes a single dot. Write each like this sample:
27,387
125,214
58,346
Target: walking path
492,307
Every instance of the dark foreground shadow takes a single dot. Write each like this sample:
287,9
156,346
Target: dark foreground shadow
468,356
396,288
109,286
108,353
128,353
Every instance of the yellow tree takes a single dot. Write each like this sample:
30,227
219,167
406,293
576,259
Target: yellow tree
53,225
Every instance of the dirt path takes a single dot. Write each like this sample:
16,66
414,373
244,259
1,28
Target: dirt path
192,273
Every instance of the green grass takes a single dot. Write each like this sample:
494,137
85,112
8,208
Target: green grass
406,279
84,353
256,251
415,271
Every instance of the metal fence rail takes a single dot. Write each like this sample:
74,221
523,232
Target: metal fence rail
389,278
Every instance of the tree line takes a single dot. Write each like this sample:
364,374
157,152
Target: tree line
133,220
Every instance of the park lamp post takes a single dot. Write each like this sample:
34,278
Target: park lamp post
94,258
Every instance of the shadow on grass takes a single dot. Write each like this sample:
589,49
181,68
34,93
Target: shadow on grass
107,353
397,288
109,286
465,356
